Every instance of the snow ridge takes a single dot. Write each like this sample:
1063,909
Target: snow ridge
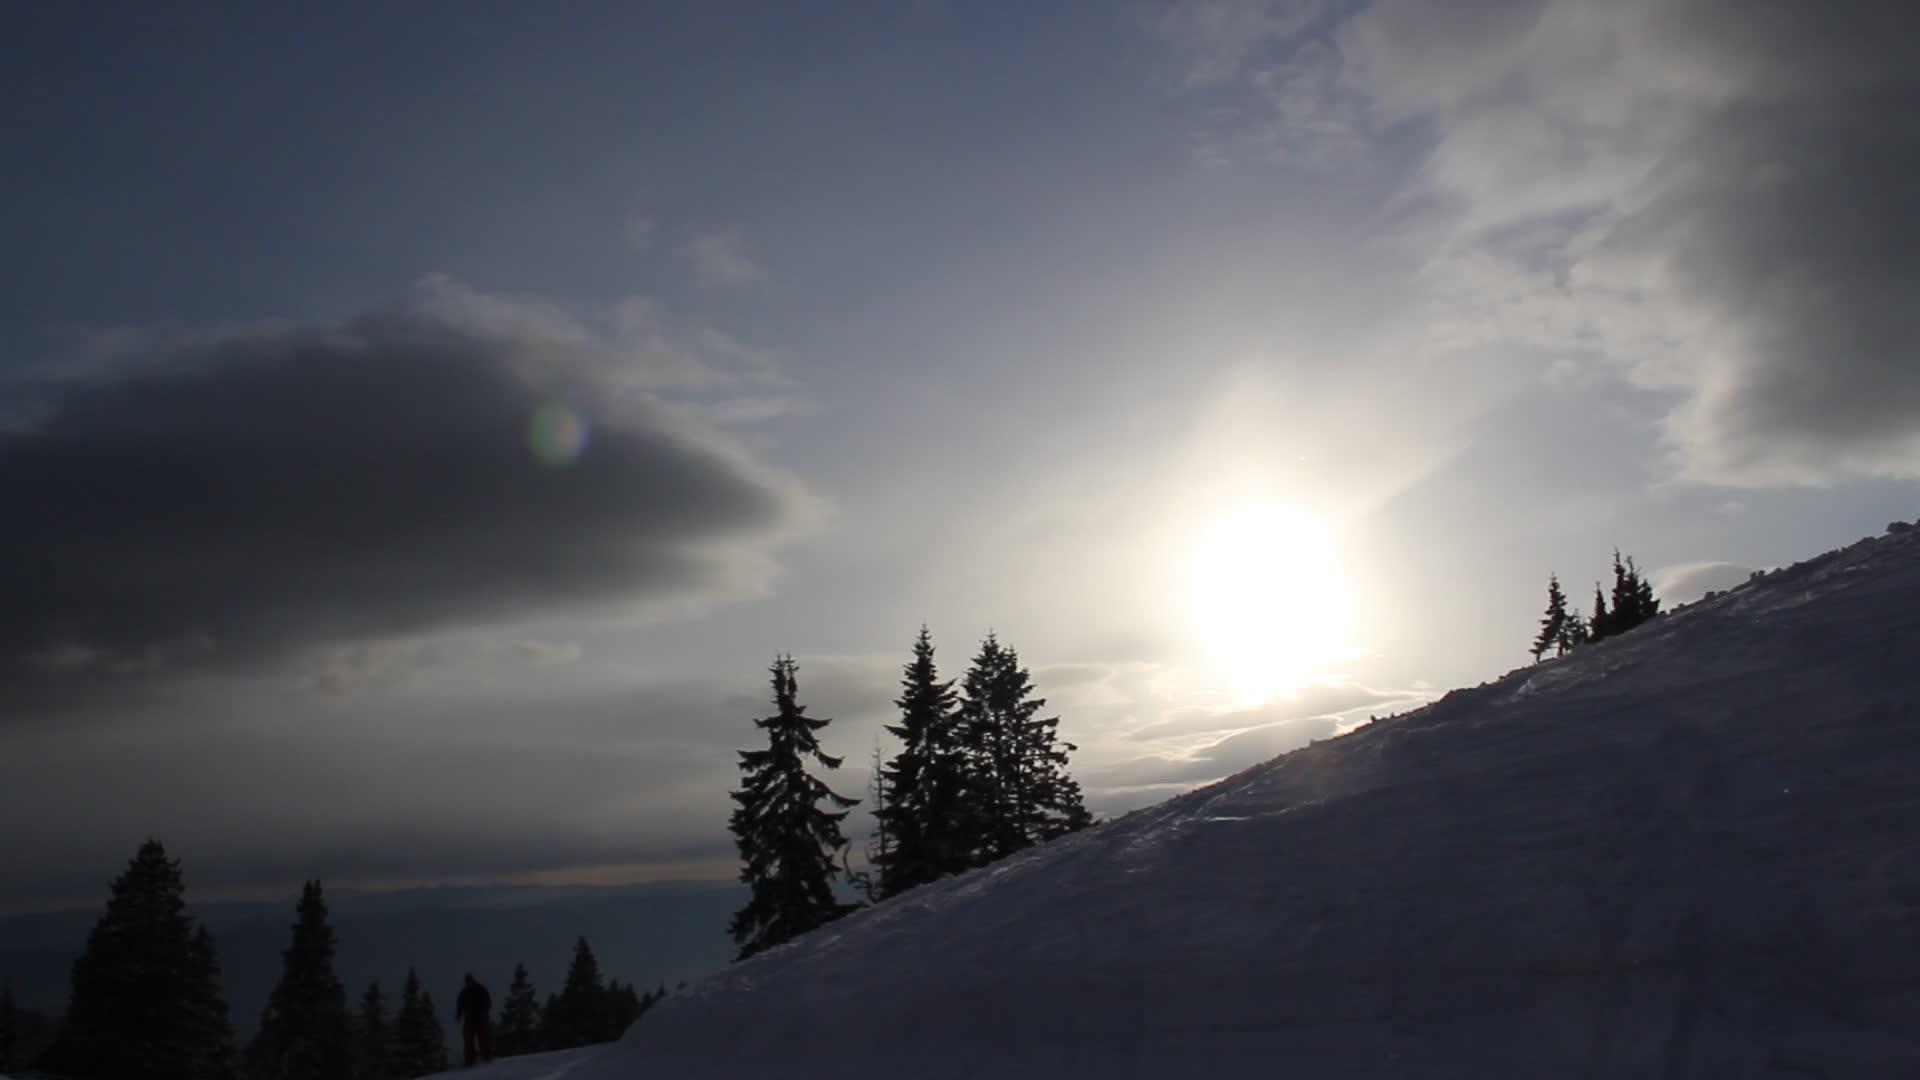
1690,851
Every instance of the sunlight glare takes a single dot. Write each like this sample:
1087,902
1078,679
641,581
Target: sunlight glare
1267,599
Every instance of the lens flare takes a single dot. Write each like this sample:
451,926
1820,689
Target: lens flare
557,436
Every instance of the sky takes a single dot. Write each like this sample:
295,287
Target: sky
422,425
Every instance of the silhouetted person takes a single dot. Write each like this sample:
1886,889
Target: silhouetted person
473,1010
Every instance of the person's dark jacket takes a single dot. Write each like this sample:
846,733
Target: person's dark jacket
474,1005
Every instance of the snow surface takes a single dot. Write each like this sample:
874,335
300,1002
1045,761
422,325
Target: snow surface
558,1065
1693,851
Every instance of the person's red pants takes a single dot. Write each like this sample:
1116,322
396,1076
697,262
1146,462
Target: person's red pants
481,1035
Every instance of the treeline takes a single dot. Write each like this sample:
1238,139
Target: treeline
412,1042
146,1002
979,774
1563,630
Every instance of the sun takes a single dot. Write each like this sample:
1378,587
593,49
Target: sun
1267,598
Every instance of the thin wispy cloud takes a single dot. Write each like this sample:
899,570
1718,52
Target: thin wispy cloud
639,230
720,259
1703,197
1710,199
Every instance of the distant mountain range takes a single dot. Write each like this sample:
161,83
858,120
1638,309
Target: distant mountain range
649,934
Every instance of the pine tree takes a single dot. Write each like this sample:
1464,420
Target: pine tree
787,842
145,1001
419,1042
1633,600
652,997
1022,794
1621,597
306,1028
1644,601
1600,623
580,1015
986,815
623,1007
1573,633
927,782
1553,625
518,1031
212,1026
879,847
372,1036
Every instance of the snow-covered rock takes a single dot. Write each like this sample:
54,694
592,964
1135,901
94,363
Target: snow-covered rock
1691,851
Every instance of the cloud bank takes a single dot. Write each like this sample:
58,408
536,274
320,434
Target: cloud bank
202,501
1713,198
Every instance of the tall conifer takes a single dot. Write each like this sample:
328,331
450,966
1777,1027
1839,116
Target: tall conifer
372,1036
306,1028
212,1026
1553,624
926,782
580,1014
623,1007
1633,601
1622,596
1573,633
879,846
1643,598
419,1042
145,1001
519,1029
787,842
1021,793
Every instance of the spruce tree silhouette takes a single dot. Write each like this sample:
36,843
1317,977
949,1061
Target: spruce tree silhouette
1021,793
1553,625
580,1014
306,1029
372,1036
623,1007
419,1042
879,846
207,1006
1600,623
145,1001
787,843
1573,633
1633,601
519,1029
925,783
1645,603
1625,595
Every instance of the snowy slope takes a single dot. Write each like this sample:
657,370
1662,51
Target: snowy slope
558,1065
1690,852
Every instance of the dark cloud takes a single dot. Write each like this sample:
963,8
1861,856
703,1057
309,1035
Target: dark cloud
221,500
1725,193
1793,228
